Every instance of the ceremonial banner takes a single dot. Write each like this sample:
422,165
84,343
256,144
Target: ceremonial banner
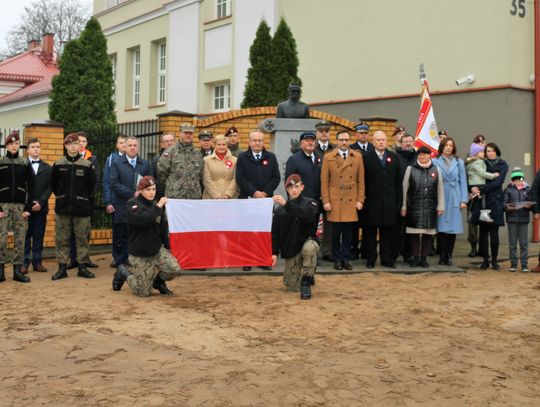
215,233
427,134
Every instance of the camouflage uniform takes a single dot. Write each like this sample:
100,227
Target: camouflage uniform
236,150
181,170
145,269
13,220
81,229
303,264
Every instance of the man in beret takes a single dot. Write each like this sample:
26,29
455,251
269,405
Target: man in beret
293,236
232,141
205,141
152,264
16,193
73,180
181,167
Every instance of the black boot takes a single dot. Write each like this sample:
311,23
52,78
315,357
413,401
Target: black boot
312,280
61,273
159,284
485,264
473,252
423,262
83,272
415,262
2,273
305,288
18,275
120,276
72,264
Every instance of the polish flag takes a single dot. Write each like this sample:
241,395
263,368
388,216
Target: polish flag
427,134
216,233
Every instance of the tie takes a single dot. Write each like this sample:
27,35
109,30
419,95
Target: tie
344,156
324,147
36,161
133,162
363,148
257,157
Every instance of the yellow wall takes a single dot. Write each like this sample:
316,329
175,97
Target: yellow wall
124,11
16,119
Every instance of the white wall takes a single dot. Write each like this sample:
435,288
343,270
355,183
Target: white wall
218,46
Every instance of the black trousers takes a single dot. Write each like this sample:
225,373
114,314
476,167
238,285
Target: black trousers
33,241
386,242
420,244
489,233
121,243
341,240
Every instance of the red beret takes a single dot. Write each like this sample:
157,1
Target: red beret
145,182
13,137
71,138
293,179
231,130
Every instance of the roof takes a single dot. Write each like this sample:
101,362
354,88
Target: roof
31,67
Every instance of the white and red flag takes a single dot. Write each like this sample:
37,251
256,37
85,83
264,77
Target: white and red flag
427,134
215,233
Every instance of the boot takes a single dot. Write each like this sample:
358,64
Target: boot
423,262
120,276
61,273
159,284
24,269
415,262
83,272
305,288
18,275
2,275
485,264
40,268
473,252
72,264
312,280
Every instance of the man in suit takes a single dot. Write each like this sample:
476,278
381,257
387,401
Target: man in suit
205,141
383,200
342,190
41,174
257,171
362,138
306,164
126,172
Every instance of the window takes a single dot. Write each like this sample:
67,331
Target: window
136,100
222,97
113,64
161,72
223,8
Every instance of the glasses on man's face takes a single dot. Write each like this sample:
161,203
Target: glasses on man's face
323,130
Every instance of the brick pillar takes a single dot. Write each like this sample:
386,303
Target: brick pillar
170,122
51,137
381,123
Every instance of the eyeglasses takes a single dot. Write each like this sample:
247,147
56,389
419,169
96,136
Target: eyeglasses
323,130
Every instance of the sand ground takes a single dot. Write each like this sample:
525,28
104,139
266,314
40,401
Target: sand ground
435,339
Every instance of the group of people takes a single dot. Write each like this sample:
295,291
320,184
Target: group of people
402,195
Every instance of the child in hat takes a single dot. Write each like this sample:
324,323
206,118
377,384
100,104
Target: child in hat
518,204
477,175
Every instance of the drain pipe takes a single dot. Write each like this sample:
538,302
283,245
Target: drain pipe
536,236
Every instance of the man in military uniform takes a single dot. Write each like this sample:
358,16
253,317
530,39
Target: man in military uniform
16,192
205,141
181,167
232,141
293,235
323,138
152,263
73,180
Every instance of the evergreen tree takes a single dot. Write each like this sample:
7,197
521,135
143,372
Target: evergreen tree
82,94
285,62
258,90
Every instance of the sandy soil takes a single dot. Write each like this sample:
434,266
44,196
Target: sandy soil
363,340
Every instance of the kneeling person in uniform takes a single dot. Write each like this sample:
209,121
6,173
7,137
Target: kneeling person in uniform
151,263
294,228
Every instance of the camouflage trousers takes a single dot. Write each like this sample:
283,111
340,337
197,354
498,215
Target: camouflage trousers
81,229
14,221
145,269
303,264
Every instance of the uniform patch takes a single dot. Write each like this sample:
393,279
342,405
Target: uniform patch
79,173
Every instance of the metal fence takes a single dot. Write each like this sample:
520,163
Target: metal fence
102,146
3,134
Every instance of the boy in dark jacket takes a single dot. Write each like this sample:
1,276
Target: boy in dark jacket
517,204
293,234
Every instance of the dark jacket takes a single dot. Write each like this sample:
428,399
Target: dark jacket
124,180
320,153
356,146
422,197
41,185
512,195
535,192
310,172
493,192
292,225
16,181
160,186
383,181
144,219
108,194
73,180
406,158
253,175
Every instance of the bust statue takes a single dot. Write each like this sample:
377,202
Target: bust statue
293,108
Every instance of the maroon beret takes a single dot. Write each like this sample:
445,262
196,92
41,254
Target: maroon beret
231,130
71,138
145,182
12,138
293,179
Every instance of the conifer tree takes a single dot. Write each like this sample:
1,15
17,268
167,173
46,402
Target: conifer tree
285,62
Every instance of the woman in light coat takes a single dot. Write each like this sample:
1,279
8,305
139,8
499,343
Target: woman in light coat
449,224
219,172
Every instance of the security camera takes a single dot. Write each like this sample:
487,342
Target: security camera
466,79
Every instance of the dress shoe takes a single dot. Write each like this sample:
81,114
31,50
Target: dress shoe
484,265
24,269
388,264
265,267
328,258
160,285
73,264
39,268
61,273
347,265
370,264
305,288
246,268
120,276
91,264
84,273
2,274
18,275
338,266
495,265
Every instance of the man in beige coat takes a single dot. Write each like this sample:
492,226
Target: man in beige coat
342,190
